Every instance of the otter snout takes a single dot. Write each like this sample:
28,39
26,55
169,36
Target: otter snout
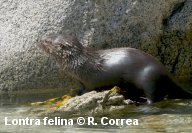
46,43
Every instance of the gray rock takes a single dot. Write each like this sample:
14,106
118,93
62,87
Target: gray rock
90,103
22,65
94,102
161,28
175,47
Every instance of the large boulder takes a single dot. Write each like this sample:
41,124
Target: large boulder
162,28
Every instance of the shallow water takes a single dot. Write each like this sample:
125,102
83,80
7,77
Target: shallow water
171,116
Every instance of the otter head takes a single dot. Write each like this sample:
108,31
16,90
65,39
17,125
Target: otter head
61,46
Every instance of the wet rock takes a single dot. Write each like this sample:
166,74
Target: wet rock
89,103
94,102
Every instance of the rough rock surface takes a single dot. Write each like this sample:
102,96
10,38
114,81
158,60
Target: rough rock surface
89,103
93,101
162,28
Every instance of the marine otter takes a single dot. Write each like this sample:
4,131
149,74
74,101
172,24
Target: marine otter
134,71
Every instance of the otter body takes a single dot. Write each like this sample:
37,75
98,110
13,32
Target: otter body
134,71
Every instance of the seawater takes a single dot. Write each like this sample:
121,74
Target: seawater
165,116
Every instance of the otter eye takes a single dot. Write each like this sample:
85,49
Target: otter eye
47,41
61,46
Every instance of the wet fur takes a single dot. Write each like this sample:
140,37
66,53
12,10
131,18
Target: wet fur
136,72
